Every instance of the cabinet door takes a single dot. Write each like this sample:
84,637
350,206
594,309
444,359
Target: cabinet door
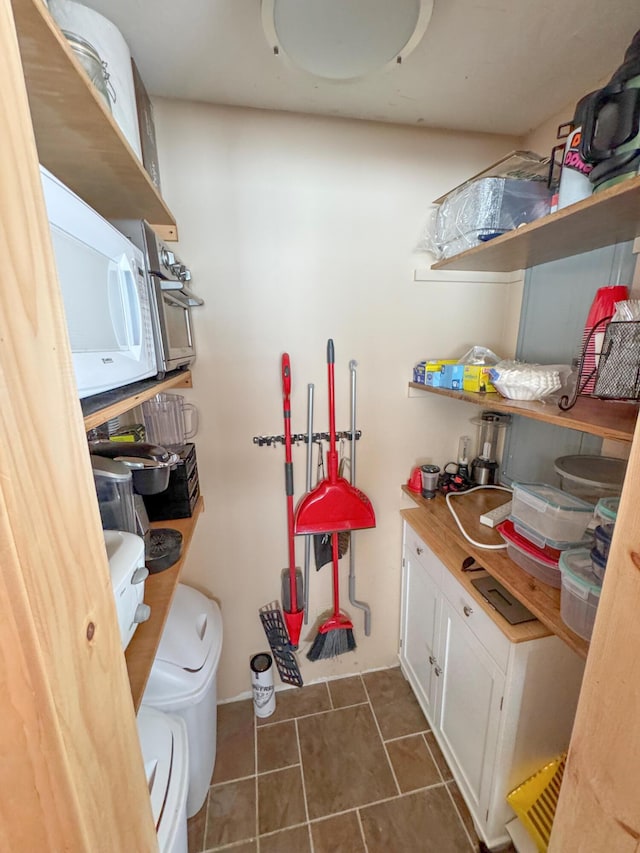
469,699
419,630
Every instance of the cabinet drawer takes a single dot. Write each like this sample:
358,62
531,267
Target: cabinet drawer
482,626
418,552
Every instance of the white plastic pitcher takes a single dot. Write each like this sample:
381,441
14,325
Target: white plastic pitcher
164,420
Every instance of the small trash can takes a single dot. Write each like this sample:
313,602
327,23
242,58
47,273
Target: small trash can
165,752
182,681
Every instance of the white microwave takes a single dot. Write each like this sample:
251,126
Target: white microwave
105,293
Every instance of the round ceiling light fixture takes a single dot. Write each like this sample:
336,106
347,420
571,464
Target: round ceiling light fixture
345,39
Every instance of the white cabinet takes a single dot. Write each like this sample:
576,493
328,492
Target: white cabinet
498,709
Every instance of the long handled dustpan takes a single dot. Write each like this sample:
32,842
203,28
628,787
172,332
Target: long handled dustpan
334,504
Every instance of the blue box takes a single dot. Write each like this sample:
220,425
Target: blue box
452,376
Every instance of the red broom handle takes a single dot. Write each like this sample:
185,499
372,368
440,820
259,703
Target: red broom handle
335,556
288,476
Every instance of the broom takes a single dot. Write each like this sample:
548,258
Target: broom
335,634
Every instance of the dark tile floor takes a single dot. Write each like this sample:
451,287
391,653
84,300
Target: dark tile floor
346,766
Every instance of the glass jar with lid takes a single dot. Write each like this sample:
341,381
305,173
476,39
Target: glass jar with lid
90,60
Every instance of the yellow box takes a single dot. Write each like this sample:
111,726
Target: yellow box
477,378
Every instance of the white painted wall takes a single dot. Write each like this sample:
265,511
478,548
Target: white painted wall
298,229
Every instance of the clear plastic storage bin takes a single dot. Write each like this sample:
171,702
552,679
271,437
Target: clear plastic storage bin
550,512
552,547
540,563
580,594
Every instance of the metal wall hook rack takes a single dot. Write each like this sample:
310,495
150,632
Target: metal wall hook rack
301,438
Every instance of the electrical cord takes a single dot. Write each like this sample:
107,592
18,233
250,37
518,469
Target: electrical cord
458,522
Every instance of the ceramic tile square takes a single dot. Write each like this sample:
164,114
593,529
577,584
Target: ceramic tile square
347,691
438,757
298,702
277,746
340,834
394,704
195,829
425,821
294,840
464,813
235,750
280,800
343,761
231,815
412,763
245,847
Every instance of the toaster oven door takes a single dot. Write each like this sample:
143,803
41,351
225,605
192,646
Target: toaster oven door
177,344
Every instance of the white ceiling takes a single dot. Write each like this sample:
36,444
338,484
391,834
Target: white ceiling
501,66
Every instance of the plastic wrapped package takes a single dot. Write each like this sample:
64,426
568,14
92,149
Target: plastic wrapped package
483,209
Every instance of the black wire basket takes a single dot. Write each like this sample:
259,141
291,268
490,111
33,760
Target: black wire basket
617,375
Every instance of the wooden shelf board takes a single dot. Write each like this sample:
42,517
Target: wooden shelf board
608,217
606,418
435,524
77,138
158,594
102,407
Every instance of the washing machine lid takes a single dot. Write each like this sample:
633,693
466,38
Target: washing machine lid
163,741
192,636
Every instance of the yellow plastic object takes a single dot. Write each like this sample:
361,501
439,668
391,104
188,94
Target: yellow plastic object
535,800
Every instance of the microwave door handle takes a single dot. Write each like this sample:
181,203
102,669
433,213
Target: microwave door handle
131,303
117,307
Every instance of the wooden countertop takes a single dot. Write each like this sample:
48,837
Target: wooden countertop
433,522
158,594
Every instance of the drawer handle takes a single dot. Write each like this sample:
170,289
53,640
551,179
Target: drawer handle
419,551
432,660
467,610
438,671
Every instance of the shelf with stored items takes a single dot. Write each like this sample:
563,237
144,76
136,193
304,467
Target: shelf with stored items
611,419
607,217
158,594
435,525
102,407
76,136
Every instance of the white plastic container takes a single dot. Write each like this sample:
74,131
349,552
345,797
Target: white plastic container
165,752
183,681
580,594
550,512
534,560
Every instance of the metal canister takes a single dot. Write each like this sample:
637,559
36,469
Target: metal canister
264,697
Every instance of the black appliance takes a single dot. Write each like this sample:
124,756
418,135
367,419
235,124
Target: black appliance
611,124
178,500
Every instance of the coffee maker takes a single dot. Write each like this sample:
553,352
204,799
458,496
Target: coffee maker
123,473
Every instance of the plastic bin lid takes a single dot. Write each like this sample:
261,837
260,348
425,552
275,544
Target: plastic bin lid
608,508
553,544
542,555
576,564
555,498
164,746
188,653
596,557
590,470
192,635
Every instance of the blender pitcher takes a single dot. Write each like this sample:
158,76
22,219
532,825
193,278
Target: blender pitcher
164,420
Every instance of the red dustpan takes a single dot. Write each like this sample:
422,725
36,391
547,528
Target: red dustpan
334,504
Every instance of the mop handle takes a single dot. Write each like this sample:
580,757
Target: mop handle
288,476
332,455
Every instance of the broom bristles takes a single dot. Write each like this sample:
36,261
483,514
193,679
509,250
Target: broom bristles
332,643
